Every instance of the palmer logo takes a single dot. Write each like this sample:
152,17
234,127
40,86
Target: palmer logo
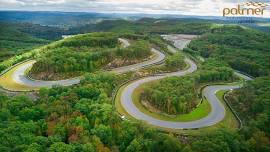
246,9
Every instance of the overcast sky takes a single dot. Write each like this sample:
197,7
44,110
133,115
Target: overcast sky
185,7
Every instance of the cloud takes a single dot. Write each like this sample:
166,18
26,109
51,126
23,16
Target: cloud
191,7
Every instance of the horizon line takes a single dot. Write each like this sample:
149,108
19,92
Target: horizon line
122,12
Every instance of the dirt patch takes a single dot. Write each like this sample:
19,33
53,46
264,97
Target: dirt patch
53,76
118,62
147,105
179,40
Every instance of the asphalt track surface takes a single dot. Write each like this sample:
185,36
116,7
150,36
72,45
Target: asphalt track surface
216,115
19,76
160,57
217,108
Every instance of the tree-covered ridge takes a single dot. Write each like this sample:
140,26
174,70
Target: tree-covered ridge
178,95
148,26
82,117
142,40
252,103
214,70
13,41
87,53
98,39
243,49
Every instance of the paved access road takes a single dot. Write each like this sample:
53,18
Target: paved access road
18,76
217,108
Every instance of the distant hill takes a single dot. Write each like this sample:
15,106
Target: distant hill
14,40
71,19
59,19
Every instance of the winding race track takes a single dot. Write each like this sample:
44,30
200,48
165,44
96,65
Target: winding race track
24,83
18,78
160,57
217,108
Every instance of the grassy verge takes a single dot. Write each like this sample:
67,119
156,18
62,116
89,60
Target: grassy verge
8,83
118,105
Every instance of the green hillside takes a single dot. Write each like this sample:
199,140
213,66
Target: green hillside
243,49
84,118
86,53
13,41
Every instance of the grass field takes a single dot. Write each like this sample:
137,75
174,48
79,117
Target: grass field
8,83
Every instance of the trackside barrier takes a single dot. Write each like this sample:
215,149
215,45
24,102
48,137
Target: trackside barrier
245,74
9,68
240,124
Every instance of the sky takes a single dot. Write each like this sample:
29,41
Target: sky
184,7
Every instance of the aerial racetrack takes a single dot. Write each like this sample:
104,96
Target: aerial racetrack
216,115
15,79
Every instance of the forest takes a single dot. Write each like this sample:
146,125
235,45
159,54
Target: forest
86,53
252,103
246,50
179,95
79,118
14,42
45,34
82,118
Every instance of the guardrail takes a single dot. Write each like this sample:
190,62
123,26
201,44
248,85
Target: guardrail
245,74
240,124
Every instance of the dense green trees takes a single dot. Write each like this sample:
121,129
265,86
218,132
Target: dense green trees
138,50
14,42
86,53
91,40
213,70
222,140
148,26
172,95
127,28
67,60
243,49
252,103
78,118
82,117
178,95
175,62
